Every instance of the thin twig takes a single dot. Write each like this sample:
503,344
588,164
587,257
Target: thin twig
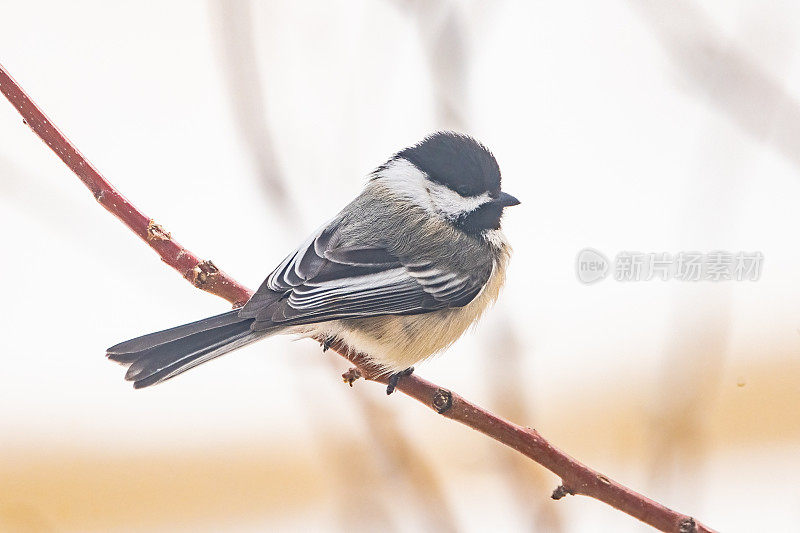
202,274
576,477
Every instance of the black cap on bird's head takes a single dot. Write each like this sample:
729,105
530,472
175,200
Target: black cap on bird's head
464,166
456,161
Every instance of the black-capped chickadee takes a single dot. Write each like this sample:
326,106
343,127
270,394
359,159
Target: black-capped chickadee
398,275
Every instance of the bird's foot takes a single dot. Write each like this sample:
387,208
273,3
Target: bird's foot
351,375
327,343
394,378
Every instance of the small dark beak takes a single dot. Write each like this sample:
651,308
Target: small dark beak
506,200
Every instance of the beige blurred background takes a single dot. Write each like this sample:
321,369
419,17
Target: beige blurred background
240,126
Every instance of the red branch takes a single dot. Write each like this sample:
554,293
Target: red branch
576,477
202,274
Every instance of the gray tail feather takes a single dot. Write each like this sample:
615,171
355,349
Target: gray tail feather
163,355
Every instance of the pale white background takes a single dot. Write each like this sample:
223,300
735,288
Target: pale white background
620,126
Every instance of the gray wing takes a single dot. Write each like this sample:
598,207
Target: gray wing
324,281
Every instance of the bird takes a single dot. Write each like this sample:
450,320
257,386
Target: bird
398,275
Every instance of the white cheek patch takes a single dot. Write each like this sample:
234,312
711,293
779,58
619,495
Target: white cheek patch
406,180
452,204
411,182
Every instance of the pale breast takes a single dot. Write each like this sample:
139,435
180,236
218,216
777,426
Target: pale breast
398,342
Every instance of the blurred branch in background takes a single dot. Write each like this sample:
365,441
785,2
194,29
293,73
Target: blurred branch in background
576,477
691,377
443,34
397,452
725,76
696,351
357,482
407,465
508,396
246,90
441,28
356,477
727,79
